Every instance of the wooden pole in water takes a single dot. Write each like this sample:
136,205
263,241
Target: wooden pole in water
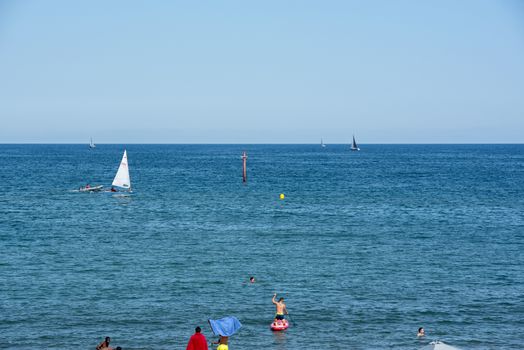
244,169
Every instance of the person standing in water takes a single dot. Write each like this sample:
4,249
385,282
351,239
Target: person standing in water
281,308
222,343
421,332
197,341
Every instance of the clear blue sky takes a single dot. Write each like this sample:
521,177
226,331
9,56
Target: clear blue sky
262,71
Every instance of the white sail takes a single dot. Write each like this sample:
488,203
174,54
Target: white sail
91,144
122,175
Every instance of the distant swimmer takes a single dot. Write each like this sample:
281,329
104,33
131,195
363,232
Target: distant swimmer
104,345
252,279
421,332
113,189
281,308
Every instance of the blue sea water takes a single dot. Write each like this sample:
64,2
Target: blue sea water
366,246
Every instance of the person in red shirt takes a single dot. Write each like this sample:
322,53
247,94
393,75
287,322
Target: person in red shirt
197,341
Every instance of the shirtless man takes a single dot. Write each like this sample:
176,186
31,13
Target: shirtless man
222,343
104,345
281,308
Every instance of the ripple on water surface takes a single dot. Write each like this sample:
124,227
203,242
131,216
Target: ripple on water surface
366,247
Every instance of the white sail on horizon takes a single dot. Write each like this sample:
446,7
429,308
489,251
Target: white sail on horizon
122,178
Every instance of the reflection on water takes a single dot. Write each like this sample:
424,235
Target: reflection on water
280,340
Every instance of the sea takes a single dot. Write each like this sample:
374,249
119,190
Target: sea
365,247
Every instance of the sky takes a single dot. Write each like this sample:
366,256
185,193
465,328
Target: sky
441,71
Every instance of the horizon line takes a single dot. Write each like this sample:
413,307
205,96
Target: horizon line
264,143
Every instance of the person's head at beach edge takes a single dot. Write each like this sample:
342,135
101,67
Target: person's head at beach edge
421,332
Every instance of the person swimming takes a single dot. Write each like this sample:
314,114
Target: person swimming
421,332
252,279
104,345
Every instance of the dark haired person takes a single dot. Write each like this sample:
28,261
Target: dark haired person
222,343
421,332
281,308
197,341
104,345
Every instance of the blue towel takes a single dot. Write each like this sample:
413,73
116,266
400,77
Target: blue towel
226,326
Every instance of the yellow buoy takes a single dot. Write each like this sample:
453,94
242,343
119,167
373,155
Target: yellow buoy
282,196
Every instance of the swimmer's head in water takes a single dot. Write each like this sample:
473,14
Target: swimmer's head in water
251,279
198,330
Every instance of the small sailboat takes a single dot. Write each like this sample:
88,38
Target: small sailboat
322,144
122,179
354,146
92,144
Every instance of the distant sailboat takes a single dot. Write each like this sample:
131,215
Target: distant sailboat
92,144
244,167
322,143
354,146
122,175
